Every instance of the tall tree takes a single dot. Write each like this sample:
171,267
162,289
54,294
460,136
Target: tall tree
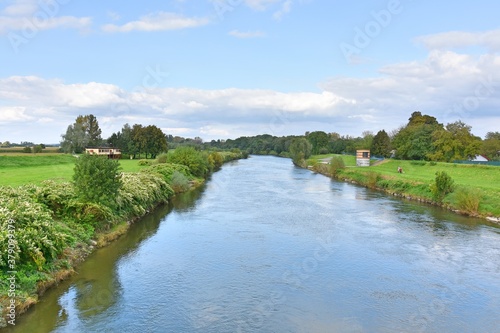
414,141
381,144
455,142
300,150
319,141
84,132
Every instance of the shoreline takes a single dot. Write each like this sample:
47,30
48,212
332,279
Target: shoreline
403,195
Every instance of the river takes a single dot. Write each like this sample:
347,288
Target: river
268,247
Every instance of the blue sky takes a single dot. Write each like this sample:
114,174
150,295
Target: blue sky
225,68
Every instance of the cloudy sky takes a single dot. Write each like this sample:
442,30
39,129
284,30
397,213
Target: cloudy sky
227,68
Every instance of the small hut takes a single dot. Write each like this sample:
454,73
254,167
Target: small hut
111,153
363,158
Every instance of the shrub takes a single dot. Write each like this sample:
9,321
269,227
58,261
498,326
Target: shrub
27,150
191,158
468,200
179,182
432,163
336,165
166,170
162,158
97,180
418,163
443,184
145,162
371,179
215,160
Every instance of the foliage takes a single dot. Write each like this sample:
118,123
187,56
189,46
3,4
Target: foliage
166,170
140,192
371,179
84,132
215,160
97,180
162,158
456,142
300,150
336,165
318,140
468,199
491,146
36,238
179,182
27,150
443,184
381,144
37,149
145,162
193,159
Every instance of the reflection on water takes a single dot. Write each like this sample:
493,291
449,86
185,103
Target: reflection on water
267,247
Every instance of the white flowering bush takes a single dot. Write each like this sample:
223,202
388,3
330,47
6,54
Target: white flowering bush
141,191
36,237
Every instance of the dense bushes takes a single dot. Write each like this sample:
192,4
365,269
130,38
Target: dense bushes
192,158
336,165
443,184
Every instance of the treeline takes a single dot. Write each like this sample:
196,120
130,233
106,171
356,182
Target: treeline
422,138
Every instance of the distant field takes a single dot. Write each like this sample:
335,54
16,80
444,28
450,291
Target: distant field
17,151
18,170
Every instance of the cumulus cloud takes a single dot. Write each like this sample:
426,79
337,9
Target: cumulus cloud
160,21
447,85
460,39
35,15
246,34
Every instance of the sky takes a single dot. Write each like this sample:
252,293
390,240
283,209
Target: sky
220,69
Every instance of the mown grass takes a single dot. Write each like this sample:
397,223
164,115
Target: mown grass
482,181
33,169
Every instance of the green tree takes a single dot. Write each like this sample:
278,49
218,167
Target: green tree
319,140
415,141
491,146
83,133
300,150
381,144
155,141
97,180
455,142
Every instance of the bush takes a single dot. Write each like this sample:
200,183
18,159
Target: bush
191,158
162,158
371,179
215,160
97,180
418,163
432,163
179,182
145,162
27,150
443,184
468,200
336,165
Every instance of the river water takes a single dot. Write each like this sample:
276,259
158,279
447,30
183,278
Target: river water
268,247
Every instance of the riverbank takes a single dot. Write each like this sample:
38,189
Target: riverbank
476,187
52,232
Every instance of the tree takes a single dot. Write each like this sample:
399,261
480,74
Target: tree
319,140
27,150
381,144
491,146
443,184
300,150
155,142
84,132
455,142
414,141
97,179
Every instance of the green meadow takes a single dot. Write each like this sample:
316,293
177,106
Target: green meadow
418,175
18,170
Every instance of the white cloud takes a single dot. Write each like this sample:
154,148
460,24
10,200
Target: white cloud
447,85
246,34
35,16
460,39
160,21
286,7
260,4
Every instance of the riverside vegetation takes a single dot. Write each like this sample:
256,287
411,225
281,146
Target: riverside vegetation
468,189
59,222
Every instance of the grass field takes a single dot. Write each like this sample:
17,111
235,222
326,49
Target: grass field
420,174
21,169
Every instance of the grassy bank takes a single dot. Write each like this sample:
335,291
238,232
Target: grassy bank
46,229
34,169
472,182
